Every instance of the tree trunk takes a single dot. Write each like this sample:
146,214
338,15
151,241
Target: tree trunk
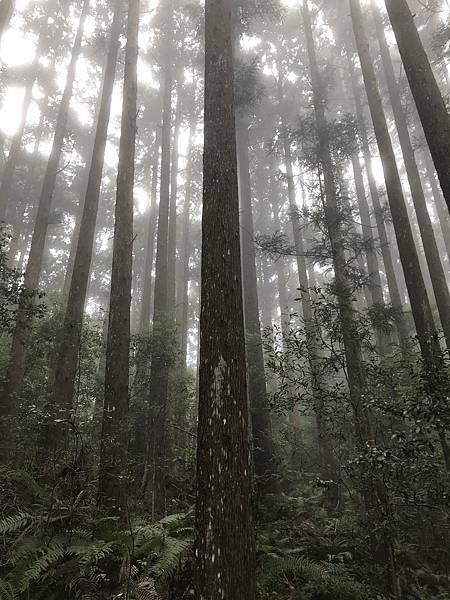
263,448
226,543
114,438
16,367
172,243
386,253
16,144
425,90
162,320
144,322
6,11
430,247
420,305
66,366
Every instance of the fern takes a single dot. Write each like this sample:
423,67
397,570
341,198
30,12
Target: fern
43,560
7,592
15,523
169,560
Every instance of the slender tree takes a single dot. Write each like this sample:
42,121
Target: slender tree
425,90
263,448
114,438
16,368
225,544
67,362
431,250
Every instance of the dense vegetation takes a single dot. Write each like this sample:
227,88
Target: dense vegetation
224,379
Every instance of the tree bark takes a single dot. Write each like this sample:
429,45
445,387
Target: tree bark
114,438
425,90
226,543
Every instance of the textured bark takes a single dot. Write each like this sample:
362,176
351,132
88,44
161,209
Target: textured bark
263,448
225,544
438,279
420,305
16,367
386,250
144,322
425,90
162,320
66,367
114,438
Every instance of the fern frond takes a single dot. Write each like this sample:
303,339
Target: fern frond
169,560
43,560
15,523
7,592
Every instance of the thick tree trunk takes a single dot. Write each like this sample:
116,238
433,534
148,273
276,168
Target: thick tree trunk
430,247
114,438
425,90
66,366
16,368
226,544
263,448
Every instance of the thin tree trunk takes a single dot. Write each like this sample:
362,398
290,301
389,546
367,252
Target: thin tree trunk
430,247
172,243
16,367
408,254
16,144
6,11
144,322
263,448
162,320
66,366
114,438
425,90
226,543
386,253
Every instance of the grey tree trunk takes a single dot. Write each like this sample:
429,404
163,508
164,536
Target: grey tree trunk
144,321
425,90
66,366
225,543
263,449
114,437
16,367
430,247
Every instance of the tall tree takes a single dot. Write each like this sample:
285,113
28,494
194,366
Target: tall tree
431,250
263,448
225,544
408,254
16,368
66,366
114,438
162,320
427,95
6,10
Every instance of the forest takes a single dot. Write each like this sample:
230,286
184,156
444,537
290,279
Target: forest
225,299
